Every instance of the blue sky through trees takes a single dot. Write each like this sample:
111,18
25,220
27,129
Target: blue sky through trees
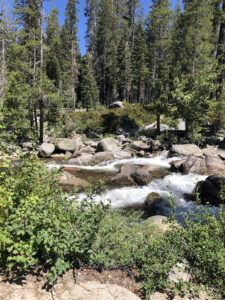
61,5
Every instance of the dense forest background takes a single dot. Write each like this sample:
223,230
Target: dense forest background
170,60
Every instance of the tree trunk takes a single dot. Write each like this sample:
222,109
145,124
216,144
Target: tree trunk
158,123
41,97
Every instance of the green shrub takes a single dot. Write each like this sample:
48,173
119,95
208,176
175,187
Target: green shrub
41,226
107,121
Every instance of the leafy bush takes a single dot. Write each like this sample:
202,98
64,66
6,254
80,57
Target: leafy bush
41,226
107,121
123,242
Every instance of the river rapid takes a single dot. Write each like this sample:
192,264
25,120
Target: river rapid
172,187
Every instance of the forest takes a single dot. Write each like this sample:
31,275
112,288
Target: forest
171,60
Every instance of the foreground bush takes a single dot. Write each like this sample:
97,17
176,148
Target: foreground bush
38,225
123,243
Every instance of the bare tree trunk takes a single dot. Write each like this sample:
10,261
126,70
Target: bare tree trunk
3,80
41,97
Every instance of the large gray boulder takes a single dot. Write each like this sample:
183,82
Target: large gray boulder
72,145
194,164
82,160
215,165
211,190
108,144
46,150
185,150
139,146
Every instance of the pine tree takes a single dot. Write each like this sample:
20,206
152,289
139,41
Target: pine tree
138,64
91,12
53,43
124,66
88,86
196,62
159,43
107,52
69,42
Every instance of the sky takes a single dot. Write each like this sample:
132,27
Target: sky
61,4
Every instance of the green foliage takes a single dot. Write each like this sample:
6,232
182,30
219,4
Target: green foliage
119,239
40,225
124,242
107,121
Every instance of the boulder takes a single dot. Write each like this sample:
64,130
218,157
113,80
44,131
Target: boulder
176,165
68,179
194,164
152,200
157,145
124,178
108,144
139,146
46,149
92,144
185,150
27,145
87,149
121,138
83,159
159,221
180,272
102,156
211,190
117,104
215,165
72,145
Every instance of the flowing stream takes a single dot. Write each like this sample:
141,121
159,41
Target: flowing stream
171,187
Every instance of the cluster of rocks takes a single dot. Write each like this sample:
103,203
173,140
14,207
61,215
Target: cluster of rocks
89,152
209,160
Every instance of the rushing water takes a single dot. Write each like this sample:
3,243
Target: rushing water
171,187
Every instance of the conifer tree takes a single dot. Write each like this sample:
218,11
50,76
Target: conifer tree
124,66
88,86
53,43
196,62
138,64
91,12
159,42
69,41
107,52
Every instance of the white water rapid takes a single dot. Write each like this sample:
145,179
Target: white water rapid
171,187
160,160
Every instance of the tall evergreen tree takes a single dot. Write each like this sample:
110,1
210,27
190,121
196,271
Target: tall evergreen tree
91,12
124,66
69,41
53,43
88,86
196,62
138,64
107,52
159,42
